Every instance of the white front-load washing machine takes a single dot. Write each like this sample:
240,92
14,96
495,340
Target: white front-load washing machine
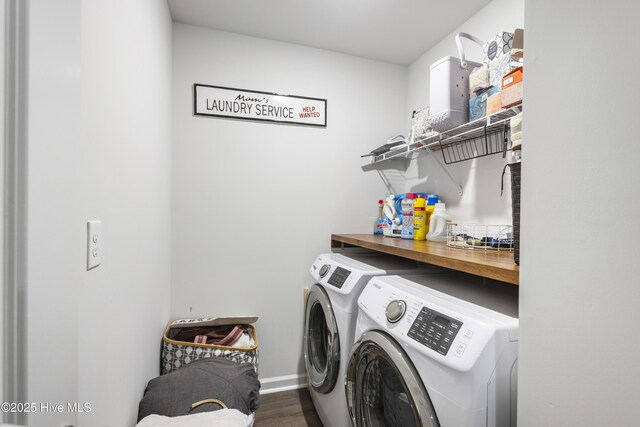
436,350
330,317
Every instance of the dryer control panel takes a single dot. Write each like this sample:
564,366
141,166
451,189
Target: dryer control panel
435,330
342,275
338,277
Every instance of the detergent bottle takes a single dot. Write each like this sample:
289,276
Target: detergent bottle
400,197
432,199
419,219
407,215
392,226
438,224
379,222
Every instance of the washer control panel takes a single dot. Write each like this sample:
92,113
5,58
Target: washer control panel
338,277
434,330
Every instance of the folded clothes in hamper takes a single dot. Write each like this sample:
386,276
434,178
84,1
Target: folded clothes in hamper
219,335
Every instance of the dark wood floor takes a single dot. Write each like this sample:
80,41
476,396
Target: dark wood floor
287,409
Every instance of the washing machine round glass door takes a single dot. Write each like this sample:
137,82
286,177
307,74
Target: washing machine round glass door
321,341
383,387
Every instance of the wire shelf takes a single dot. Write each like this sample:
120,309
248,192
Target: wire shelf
478,237
479,138
484,142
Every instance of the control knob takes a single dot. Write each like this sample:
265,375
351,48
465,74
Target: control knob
395,310
324,270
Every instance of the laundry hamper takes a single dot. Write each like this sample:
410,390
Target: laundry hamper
176,354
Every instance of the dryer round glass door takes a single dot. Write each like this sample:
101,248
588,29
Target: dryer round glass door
383,387
321,341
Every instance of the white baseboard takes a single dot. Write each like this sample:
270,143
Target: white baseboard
283,383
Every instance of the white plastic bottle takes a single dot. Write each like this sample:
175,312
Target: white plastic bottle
438,224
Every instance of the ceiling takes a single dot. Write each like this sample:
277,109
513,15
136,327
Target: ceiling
396,31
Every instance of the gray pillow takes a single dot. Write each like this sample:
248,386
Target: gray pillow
171,395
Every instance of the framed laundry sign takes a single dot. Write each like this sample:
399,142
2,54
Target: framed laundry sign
218,101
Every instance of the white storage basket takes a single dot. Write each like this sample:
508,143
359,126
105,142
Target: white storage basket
449,93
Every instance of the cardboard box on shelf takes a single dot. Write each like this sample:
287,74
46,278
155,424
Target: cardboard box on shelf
478,104
494,103
498,68
512,95
517,47
479,79
512,88
498,46
512,78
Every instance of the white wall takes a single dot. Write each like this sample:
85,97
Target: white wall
99,148
579,288
56,232
124,306
480,178
255,203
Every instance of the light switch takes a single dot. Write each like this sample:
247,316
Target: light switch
94,244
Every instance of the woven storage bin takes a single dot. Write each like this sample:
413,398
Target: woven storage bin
515,209
176,354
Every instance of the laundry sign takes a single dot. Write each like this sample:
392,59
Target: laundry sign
246,104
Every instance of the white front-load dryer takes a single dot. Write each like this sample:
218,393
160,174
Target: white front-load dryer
434,351
330,317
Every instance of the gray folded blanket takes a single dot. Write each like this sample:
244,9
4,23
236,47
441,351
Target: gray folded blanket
171,395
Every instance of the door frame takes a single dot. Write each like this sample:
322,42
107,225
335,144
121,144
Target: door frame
14,200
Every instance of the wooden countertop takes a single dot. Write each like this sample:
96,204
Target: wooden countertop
494,265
